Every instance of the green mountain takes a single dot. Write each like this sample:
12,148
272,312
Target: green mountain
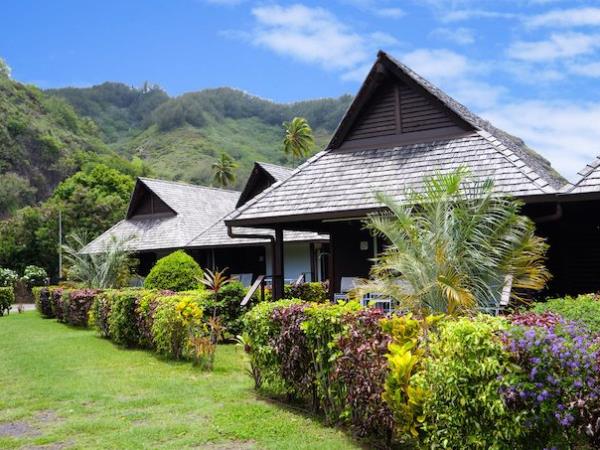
42,142
180,137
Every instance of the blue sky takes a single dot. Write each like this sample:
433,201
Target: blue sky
532,67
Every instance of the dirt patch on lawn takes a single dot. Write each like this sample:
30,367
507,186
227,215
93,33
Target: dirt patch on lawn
18,430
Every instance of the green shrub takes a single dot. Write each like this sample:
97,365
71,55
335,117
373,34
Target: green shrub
176,272
173,319
57,303
122,321
259,331
34,276
8,277
77,304
100,312
41,295
227,307
309,292
147,303
322,328
7,298
463,376
584,309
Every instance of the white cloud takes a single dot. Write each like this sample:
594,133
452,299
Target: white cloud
591,69
316,36
379,8
557,46
461,36
456,74
566,134
390,13
566,18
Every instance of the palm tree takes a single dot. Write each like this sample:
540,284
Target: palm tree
454,246
108,269
299,139
224,170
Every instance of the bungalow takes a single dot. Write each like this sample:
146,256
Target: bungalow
399,129
164,216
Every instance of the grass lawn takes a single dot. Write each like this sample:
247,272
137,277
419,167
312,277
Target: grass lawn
67,388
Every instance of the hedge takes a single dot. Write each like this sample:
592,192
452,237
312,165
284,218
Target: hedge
7,298
526,381
584,308
163,321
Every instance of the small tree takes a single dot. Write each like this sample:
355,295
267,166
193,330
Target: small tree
108,269
224,170
214,282
298,140
453,246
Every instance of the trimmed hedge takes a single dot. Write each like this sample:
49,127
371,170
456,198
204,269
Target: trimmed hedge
69,306
524,382
7,298
177,271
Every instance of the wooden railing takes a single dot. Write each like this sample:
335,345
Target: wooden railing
258,283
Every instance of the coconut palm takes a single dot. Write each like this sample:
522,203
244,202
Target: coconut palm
224,170
108,269
299,140
454,246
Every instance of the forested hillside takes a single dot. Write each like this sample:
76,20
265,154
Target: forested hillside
180,137
42,142
75,152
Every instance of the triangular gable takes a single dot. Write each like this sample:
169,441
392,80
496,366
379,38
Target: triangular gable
263,175
144,201
392,108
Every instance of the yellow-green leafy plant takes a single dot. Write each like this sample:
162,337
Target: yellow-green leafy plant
453,246
406,354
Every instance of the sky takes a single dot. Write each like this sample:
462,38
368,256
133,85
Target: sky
531,67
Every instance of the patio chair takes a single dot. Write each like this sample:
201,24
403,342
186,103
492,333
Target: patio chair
346,285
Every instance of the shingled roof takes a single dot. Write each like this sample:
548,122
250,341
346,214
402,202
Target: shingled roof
195,218
589,181
341,181
195,208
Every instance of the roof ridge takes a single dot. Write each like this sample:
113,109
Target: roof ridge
264,193
533,176
274,165
584,174
212,225
181,183
479,123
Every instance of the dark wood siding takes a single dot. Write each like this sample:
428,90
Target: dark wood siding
379,116
149,203
418,113
396,109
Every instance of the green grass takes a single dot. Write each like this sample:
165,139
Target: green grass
74,389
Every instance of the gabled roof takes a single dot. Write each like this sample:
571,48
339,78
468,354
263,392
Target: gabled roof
195,209
589,181
262,176
341,181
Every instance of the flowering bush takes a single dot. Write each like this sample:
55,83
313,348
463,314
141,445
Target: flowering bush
8,277
34,276
362,366
559,383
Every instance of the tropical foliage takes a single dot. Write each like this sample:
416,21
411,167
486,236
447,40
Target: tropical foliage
224,170
109,269
454,245
298,140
